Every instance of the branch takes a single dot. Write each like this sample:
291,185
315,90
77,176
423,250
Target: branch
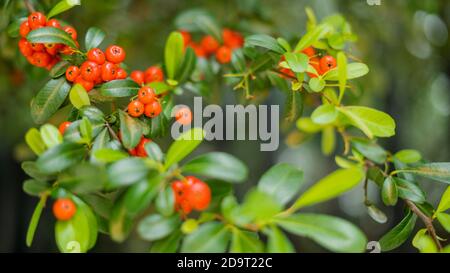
111,131
427,221
29,6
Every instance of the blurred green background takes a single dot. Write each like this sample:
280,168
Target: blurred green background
405,44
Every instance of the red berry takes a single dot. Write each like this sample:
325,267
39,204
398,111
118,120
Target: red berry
115,54
140,148
153,109
183,116
138,76
198,50
52,49
90,71
63,126
327,62
24,29
37,47
36,19
154,74
71,31
232,39
41,59
25,47
67,50
146,94
198,193
52,63
109,71
135,108
96,55
309,51
209,44
87,85
223,55
314,62
64,209
186,37
121,74
53,23
132,152
72,73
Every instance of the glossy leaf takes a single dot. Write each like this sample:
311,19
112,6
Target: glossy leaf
282,182
173,53
409,190
399,234
94,37
444,204
439,171
165,200
298,62
324,114
354,70
330,187
217,236
169,244
61,157
126,172
156,226
130,129
49,99
245,242
278,242
119,88
35,220
62,6
389,192
78,96
376,214
218,165
50,35
330,232
183,146
312,36
264,41
408,156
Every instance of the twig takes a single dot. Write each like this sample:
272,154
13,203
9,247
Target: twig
427,221
111,131
29,6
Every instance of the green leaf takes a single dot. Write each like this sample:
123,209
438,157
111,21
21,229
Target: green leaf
86,129
168,244
61,157
284,44
439,171
444,204
35,220
138,197
160,87
153,151
34,140
376,214
409,190
76,235
164,202
78,96
342,73
423,242
217,236
399,234
308,126
84,178
30,168
199,20
183,146
370,150
408,156
187,66
264,41
59,69
317,84
50,135
354,70
119,88
62,6
106,155
35,187
49,99
259,207
14,27
245,242
312,36
444,219
328,143
130,129
372,122
333,233
94,114
218,165
173,53
324,114
389,192
298,62
282,182
126,172
330,187
155,226
51,35
278,242
94,37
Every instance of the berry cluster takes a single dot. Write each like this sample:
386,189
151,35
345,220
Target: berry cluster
99,67
43,55
64,209
139,150
147,103
191,194
321,65
209,46
151,74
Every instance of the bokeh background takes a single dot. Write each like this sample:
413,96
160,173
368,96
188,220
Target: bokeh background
405,44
